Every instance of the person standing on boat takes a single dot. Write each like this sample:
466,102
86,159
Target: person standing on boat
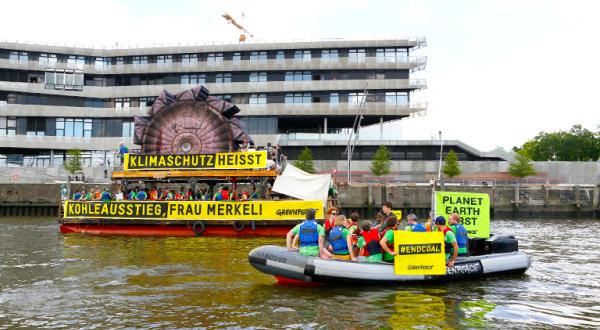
449,238
462,238
413,225
340,245
387,241
386,210
141,195
310,233
105,196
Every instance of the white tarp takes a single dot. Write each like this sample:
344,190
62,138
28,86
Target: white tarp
296,183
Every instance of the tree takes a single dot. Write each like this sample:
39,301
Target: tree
451,166
381,161
73,162
521,167
305,161
577,144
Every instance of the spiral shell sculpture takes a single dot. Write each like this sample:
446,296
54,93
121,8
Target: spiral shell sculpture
189,122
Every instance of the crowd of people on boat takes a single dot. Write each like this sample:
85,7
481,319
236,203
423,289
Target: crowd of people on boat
365,241
222,193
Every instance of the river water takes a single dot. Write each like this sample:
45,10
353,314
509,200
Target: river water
48,280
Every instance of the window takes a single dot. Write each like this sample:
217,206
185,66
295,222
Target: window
193,79
188,59
18,56
47,60
119,61
258,99
146,101
8,126
414,155
302,55
355,98
298,76
298,98
122,103
36,126
75,61
223,78
258,76
73,127
391,54
329,55
214,57
139,60
258,56
99,63
64,79
334,98
164,59
236,57
224,97
280,56
396,98
128,129
356,55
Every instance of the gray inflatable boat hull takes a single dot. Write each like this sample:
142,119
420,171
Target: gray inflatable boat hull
279,262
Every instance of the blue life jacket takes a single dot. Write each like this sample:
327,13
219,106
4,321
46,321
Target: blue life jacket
461,235
309,235
76,196
105,196
418,227
337,240
141,195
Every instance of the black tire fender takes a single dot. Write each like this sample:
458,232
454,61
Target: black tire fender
238,226
198,227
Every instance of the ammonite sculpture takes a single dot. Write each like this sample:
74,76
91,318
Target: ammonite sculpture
190,122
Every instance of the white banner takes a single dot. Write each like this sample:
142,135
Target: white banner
296,183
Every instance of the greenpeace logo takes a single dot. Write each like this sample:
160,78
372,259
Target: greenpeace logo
430,248
465,269
281,212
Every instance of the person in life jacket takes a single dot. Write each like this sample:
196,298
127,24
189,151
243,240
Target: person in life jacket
429,224
339,242
153,194
413,225
311,235
368,242
353,232
330,221
180,195
462,238
225,194
189,195
98,195
141,195
449,238
105,196
386,210
218,196
387,241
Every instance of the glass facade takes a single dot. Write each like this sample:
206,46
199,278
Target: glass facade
73,127
8,126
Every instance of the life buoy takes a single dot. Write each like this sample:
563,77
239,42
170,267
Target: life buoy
238,226
198,227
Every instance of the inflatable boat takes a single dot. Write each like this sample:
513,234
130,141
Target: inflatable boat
494,256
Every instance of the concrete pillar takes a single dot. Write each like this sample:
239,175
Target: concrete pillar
51,157
325,125
381,128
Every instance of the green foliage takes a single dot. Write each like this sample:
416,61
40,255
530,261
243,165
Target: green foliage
381,161
305,161
577,144
451,166
521,167
73,163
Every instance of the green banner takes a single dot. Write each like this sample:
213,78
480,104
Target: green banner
473,208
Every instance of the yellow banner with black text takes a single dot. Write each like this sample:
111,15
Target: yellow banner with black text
192,210
419,253
221,160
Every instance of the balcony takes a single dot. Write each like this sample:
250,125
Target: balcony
413,63
221,88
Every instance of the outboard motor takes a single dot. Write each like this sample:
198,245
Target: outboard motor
501,244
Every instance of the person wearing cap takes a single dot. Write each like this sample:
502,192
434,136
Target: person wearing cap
449,238
310,234
413,225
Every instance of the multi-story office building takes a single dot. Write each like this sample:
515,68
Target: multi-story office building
53,99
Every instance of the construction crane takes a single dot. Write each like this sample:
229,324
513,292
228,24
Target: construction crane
237,25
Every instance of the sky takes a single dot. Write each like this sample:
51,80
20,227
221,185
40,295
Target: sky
498,72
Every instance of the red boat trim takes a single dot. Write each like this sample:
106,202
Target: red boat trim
290,281
171,230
